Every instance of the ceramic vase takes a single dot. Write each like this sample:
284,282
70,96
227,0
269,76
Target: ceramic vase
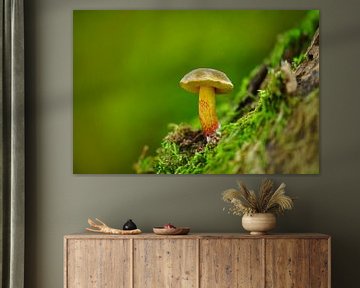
259,223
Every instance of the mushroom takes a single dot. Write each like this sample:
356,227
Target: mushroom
207,82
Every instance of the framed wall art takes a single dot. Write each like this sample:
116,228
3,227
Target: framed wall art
196,92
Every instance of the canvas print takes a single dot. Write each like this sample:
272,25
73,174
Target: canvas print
196,92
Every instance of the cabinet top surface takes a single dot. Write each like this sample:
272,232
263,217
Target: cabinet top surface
87,235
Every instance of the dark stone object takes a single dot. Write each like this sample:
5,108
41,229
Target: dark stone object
129,225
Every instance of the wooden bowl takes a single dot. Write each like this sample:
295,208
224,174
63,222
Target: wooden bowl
171,231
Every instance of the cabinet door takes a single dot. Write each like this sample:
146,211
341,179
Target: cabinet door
320,263
297,263
98,263
165,263
231,263
287,263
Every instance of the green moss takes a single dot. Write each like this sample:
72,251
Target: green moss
294,42
298,60
265,128
251,130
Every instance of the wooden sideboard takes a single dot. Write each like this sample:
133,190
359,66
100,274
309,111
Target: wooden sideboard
197,260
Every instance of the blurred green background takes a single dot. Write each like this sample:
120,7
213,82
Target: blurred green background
127,68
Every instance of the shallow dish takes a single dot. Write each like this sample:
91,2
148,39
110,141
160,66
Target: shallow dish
171,231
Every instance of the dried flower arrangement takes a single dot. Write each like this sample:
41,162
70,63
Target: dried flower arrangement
268,200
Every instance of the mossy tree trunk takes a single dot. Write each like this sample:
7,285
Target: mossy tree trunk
273,126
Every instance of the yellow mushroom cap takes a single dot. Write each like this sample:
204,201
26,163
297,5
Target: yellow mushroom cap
206,77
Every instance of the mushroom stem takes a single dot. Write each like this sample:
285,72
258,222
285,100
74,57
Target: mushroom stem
207,111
